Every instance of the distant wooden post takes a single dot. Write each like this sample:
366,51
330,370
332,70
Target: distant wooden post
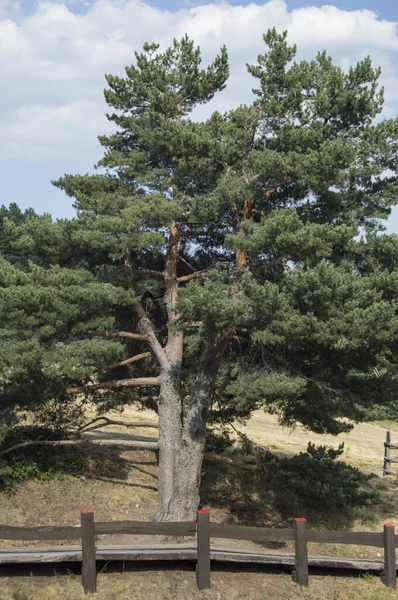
203,545
387,454
300,573
89,571
390,568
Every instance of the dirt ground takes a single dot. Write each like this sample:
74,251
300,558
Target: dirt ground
122,485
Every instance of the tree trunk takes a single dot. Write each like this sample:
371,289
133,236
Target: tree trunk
181,449
169,441
180,453
183,500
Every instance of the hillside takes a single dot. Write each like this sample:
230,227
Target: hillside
122,485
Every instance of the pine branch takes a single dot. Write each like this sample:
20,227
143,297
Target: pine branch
128,361
113,385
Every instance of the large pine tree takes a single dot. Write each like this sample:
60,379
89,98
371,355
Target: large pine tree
216,267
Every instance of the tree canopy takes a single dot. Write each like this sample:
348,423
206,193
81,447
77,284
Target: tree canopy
218,267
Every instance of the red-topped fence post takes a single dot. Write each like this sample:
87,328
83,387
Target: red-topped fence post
390,569
89,570
203,546
300,573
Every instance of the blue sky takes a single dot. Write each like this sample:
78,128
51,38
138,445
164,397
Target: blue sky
53,57
387,9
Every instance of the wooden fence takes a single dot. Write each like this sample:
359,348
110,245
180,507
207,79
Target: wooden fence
388,446
202,553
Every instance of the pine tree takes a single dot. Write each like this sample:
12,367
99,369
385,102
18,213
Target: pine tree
216,267
16,216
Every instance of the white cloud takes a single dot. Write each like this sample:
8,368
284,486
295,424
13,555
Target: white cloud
38,132
53,60
10,9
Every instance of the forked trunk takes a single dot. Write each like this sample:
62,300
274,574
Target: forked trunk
181,450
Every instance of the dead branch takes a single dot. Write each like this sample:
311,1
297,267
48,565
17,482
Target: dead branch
119,334
128,361
112,385
144,324
97,424
133,445
196,275
213,234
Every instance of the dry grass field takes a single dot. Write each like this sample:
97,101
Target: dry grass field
122,485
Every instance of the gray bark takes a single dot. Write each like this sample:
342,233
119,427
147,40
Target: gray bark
181,448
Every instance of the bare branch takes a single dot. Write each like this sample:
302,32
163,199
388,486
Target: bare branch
214,234
128,361
112,385
119,334
145,324
196,275
133,445
97,424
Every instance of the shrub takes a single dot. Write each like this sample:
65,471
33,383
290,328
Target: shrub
37,462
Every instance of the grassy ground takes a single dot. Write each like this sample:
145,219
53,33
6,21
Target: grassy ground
123,485
180,585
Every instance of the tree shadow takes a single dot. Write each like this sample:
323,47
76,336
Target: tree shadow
330,494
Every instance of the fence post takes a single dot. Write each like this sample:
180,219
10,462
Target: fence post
203,546
89,571
390,569
387,454
300,572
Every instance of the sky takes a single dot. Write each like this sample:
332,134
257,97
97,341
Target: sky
54,55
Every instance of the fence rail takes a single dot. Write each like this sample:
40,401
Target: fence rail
202,553
388,446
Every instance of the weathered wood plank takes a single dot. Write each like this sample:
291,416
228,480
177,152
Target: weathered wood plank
300,574
256,534
203,550
40,555
288,560
240,556
89,569
74,553
178,552
390,571
357,538
390,460
41,533
183,528
136,553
